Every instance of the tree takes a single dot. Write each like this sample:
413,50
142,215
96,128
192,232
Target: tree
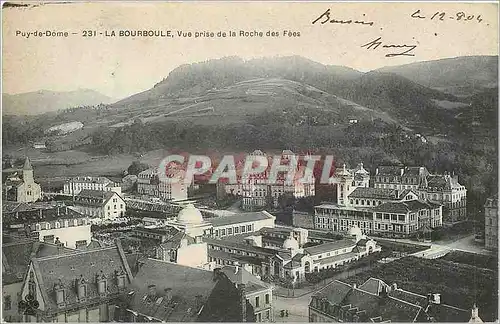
137,167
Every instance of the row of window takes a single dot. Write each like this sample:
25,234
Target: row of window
229,250
234,230
57,224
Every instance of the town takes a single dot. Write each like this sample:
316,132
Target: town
138,249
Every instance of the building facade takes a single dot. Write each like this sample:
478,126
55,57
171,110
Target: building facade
443,189
257,192
105,205
491,223
394,206
48,223
75,185
149,184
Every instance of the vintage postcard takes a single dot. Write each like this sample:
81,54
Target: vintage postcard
249,162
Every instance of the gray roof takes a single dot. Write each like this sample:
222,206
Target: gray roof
404,207
238,218
186,284
330,246
66,269
374,193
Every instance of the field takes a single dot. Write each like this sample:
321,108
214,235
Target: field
460,285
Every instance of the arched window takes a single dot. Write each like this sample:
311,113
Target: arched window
47,226
38,227
58,225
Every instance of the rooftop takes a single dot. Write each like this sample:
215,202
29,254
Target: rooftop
330,246
239,218
67,268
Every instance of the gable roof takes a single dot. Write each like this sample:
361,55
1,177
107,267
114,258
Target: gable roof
374,193
65,269
17,255
330,246
238,275
403,207
94,197
28,214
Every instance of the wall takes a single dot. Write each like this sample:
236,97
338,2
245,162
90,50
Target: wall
68,235
193,255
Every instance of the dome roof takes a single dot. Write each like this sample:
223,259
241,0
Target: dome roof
190,215
291,243
355,231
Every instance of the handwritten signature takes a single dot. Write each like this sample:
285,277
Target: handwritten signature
376,43
325,17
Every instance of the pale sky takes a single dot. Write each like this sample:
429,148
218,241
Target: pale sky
118,67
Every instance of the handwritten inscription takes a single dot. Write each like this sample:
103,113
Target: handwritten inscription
442,16
405,50
325,17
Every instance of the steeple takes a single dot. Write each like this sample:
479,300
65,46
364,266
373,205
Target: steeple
27,164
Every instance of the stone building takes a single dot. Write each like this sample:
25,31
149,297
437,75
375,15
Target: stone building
20,185
105,205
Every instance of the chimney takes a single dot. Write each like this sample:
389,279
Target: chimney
198,240
236,267
152,290
436,298
401,172
168,294
354,286
475,312
394,286
243,301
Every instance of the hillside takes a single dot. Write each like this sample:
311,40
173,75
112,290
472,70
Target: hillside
193,79
462,76
43,101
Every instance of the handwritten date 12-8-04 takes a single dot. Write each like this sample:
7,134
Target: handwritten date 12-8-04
442,16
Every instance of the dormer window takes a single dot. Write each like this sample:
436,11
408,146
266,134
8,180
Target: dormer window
81,286
101,284
60,293
120,279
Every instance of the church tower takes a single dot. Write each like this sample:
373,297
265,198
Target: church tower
28,172
344,180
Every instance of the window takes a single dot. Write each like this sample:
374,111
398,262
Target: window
267,298
379,215
229,231
7,302
257,301
249,228
401,218
75,222
114,206
236,230
242,229
386,217
394,217
223,232
109,207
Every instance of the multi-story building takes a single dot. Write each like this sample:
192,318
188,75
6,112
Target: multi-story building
149,184
258,293
106,205
16,256
375,301
47,222
443,189
394,208
75,185
257,192
167,292
491,223
292,260
20,185
75,287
